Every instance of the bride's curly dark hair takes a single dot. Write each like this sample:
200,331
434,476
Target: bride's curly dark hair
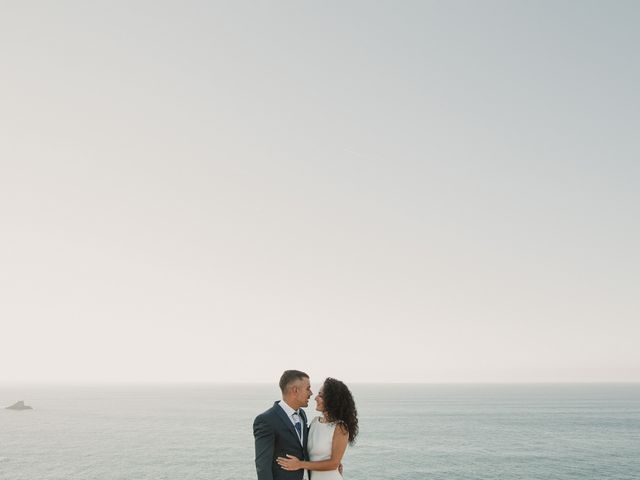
340,407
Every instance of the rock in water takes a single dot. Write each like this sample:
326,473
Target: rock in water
19,406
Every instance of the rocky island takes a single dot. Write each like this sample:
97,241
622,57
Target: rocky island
19,406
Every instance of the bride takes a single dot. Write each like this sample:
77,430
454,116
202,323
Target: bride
329,434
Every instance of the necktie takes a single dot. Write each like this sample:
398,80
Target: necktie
297,424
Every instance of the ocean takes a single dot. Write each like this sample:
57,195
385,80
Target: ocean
452,432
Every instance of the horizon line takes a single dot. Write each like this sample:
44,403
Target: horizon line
275,384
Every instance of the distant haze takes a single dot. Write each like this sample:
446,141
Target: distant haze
388,191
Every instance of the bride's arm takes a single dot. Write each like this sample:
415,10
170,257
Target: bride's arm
338,447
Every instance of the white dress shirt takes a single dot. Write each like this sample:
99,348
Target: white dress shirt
290,412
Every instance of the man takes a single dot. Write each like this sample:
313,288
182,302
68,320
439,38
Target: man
283,430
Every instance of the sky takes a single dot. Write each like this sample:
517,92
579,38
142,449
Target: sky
378,192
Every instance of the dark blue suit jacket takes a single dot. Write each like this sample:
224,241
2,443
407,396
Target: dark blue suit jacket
276,436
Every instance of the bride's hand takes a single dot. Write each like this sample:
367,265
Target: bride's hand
290,463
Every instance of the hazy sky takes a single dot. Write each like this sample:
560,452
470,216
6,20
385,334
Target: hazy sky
377,191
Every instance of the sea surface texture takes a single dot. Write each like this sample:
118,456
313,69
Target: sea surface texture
190,432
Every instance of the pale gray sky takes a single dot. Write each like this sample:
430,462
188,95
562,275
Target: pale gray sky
398,191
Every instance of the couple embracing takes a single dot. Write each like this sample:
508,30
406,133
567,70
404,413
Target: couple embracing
287,448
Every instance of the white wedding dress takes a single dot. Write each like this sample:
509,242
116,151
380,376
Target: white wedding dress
319,446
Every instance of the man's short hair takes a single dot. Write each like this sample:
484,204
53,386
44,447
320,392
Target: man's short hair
290,376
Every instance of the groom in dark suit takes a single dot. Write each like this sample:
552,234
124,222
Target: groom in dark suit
283,430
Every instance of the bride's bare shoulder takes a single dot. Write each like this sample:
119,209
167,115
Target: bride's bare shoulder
342,427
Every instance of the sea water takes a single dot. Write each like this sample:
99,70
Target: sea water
180,432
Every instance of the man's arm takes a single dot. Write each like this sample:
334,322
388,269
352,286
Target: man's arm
338,447
265,439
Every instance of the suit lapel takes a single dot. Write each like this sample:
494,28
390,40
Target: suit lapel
283,416
305,428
